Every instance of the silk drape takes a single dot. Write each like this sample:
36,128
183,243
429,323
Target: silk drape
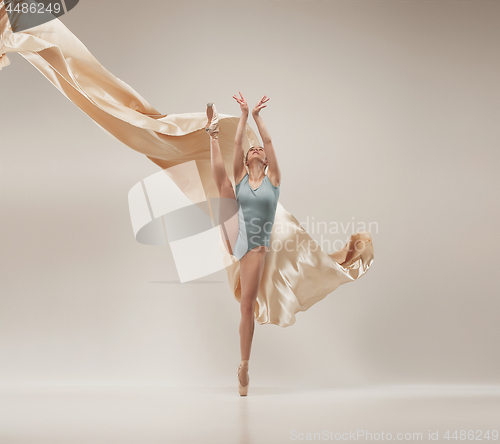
294,278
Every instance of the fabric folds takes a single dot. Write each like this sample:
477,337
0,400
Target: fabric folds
296,275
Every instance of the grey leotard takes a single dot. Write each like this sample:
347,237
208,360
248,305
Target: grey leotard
256,212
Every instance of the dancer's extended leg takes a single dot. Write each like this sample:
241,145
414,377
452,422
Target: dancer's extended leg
228,209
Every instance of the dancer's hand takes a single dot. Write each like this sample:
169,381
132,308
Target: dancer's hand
260,105
242,102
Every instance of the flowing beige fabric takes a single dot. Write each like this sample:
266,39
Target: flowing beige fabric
295,277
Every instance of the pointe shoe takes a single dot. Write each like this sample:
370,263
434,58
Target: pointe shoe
243,367
212,127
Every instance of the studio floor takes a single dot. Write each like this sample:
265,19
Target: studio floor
266,416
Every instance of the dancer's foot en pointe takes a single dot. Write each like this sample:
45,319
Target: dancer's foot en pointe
212,127
243,378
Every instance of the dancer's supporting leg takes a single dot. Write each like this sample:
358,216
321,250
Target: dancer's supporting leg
251,268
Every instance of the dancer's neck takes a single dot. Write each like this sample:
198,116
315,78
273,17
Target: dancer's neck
256,171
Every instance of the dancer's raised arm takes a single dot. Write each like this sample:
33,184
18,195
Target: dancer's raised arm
273,172
239,155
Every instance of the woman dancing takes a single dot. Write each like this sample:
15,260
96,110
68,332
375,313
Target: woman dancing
256,194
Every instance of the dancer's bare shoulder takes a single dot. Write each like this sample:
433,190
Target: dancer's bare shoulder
273,180
237,180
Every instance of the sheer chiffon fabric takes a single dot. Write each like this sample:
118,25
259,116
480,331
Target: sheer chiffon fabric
296,275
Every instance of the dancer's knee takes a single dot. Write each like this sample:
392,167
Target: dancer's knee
247,309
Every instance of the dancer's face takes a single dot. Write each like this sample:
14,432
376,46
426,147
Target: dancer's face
256,152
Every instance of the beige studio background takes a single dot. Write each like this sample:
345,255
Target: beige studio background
382,112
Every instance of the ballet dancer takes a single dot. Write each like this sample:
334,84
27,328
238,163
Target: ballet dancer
256,194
